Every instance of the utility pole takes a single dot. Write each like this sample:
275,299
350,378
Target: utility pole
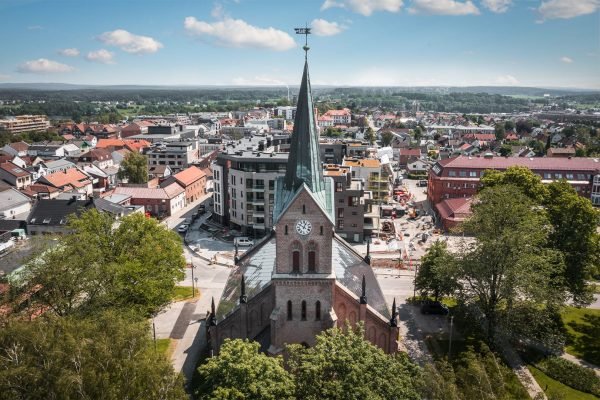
193,287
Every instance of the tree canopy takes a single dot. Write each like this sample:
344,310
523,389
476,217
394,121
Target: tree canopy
134,168
133,265
436,272
107,356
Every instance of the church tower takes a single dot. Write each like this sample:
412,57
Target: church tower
303,279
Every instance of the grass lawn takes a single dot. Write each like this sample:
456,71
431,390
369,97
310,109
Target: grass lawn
162,347
184,293
583,329
555,389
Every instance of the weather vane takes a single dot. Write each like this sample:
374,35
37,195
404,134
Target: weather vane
304,31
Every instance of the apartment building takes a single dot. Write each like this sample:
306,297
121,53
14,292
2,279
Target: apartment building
177,155
340,117
377,175
25,123
286,112
244,189
459,177
349,203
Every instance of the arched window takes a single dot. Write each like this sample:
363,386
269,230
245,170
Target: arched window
303,208
321,230
285,230
289,310
312,257
303,314
318,310
296,254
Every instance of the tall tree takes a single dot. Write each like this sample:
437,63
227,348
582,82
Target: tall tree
240,371
370,135
499,131
135,265
509,261
386,138
107,356
343,365
436,272
418,133
134,168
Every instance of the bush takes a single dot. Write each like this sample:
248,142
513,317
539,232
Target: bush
570,374
416,176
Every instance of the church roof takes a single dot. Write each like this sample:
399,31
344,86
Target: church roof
304,164
348,267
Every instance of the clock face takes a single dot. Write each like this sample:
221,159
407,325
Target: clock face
303,227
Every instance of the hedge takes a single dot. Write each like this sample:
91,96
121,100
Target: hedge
570,374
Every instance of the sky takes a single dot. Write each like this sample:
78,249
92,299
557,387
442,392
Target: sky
541,43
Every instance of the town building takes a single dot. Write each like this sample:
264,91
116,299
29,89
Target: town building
460,176
340,117
193,180
13,203
51,216
160,202
177,155
302,279
15,175
377,175
332,152
72,179
25,123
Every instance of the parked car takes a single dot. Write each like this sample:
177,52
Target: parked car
422,183
187,221
182,228
201,209
243,241
434,307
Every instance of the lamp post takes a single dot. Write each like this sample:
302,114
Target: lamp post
193,279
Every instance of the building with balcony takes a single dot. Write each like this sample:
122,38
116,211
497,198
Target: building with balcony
377,175
177,155
25,123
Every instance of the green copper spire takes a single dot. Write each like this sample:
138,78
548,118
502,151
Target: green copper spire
304,164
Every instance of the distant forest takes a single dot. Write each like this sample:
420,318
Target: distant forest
77,102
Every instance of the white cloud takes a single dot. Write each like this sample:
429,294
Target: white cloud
565,9
43,65
129,42
567,60
4,77
101,56
321,27
443,7
71,52
365,7
506,80
231,32
497,6
35,27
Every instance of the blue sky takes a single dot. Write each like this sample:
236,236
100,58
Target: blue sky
551,43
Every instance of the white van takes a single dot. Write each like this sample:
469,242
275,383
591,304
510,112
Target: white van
243,241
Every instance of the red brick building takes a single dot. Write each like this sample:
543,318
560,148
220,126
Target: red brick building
193,180
459,177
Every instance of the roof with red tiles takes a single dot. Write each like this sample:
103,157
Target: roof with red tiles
536,163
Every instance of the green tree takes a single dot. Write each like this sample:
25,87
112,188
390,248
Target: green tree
107,356
509,261
386,138
509,125
505,150
500,132
133,266
417,134
522,177
370,135
240,371
436,271
134,168
574,232
343,365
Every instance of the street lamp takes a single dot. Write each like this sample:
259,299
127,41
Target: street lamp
193,279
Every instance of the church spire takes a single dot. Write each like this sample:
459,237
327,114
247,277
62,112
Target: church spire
243,297
363,296
393,321
304,164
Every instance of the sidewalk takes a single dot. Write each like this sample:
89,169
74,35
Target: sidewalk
581,362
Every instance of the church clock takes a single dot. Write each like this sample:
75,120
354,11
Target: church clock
303,227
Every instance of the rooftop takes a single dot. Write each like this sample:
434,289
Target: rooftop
534,163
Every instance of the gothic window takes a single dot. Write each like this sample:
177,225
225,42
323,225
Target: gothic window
285,230
321,230
296,254
318,310
312,257
303,315
289,310
303,209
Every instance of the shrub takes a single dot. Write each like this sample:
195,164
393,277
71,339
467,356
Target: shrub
416,176
571,374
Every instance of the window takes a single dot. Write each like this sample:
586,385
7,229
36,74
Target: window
271,185
296,261
289,310
547,175
285,230
462,173
303,209
318,310
353,201
340,213
341,201
303,311
340,224
312,257
339,187
451,173
558,176
473,174
569,176
321,230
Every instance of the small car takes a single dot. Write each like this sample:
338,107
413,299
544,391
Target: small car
434,307
201,209
243,241
182,228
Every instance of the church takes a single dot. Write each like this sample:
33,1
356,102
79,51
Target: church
302,278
